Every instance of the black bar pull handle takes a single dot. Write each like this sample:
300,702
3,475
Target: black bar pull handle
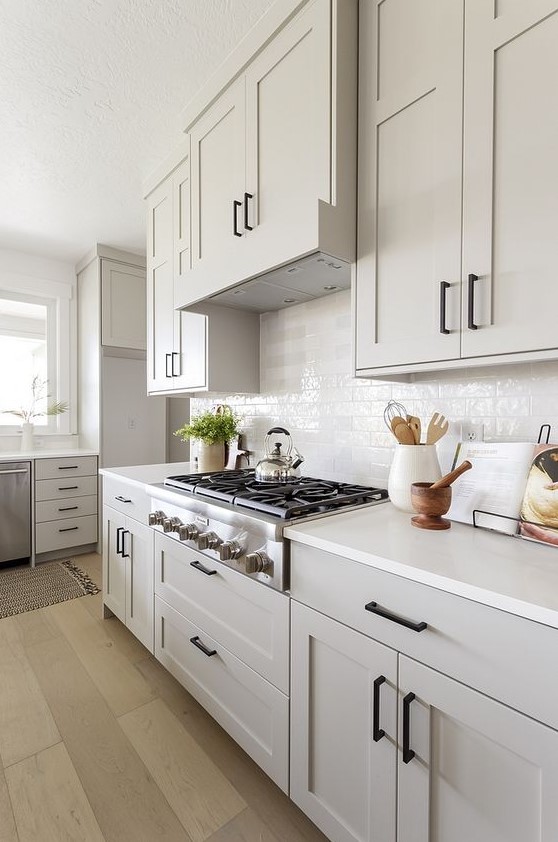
68,488
197,642
247,197
374,608
119,532
69,529
67,467
444,286
377,732
173,372
68,508
199,566
408,752
471,303
123,499
236,206
125,554
167,358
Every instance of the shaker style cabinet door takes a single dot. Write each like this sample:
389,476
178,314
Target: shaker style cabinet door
123,305
510,176
160,299
480,771
410,156
343,729
218,173
114,566
288,139
137,547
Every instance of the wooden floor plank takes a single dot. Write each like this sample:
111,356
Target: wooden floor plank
48,799
126,801
27,723
121,684
34,626
200,795
268,802
8,831
246,827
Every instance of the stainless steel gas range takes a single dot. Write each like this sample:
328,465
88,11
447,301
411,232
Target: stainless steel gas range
231,517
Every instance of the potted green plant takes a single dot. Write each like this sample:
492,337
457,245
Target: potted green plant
212,429
33,410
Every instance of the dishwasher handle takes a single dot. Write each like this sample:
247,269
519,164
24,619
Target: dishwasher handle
16,471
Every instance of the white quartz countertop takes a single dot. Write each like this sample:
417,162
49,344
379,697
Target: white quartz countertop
148,474
19,455
508,573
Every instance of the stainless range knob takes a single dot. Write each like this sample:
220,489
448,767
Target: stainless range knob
176,523
208,541
257,562
170,524
161,516
229,550
153,518
188,532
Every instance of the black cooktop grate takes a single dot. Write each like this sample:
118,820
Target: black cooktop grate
297,498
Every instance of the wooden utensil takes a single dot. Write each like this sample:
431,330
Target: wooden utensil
404,434
395,422
414,424
437,428
446,481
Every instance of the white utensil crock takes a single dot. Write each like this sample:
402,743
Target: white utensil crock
411,463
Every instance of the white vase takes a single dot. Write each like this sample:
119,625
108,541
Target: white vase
411,463
26,436
211,457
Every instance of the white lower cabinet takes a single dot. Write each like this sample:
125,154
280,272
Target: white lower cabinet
386,748
343,773
480,770
249,708
128,573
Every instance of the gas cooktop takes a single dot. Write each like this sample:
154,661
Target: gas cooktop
298,498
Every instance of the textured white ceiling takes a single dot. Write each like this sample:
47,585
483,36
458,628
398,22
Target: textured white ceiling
90,94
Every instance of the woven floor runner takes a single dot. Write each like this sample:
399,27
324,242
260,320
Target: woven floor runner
28,588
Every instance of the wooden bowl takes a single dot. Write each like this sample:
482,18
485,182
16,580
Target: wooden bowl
431,504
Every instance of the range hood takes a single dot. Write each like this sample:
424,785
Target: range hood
310,277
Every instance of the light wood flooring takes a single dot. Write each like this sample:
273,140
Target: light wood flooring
99,742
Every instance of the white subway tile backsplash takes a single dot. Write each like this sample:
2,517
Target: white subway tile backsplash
337,420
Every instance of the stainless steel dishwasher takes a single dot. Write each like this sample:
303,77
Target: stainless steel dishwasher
15,511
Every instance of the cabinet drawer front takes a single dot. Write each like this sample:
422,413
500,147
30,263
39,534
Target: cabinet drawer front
60,534
249,619
74,466
59,489
500,654
131,500
250,709
61,509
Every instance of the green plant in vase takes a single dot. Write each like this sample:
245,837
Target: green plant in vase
212,429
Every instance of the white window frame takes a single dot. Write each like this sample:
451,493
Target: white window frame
61,344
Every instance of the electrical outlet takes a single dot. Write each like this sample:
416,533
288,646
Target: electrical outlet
472,432
131,423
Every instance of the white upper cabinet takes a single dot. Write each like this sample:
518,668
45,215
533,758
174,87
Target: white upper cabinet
123,305
274,154
212,348
510,176
457,204
409,242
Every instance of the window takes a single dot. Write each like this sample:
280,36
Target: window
35,336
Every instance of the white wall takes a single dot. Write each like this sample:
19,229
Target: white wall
29,273
336,420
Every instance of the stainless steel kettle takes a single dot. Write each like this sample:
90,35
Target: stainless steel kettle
276,467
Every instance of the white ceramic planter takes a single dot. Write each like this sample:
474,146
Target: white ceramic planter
211,457
411,463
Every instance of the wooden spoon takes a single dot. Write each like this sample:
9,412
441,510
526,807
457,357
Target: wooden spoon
446,481
414,424
404,434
